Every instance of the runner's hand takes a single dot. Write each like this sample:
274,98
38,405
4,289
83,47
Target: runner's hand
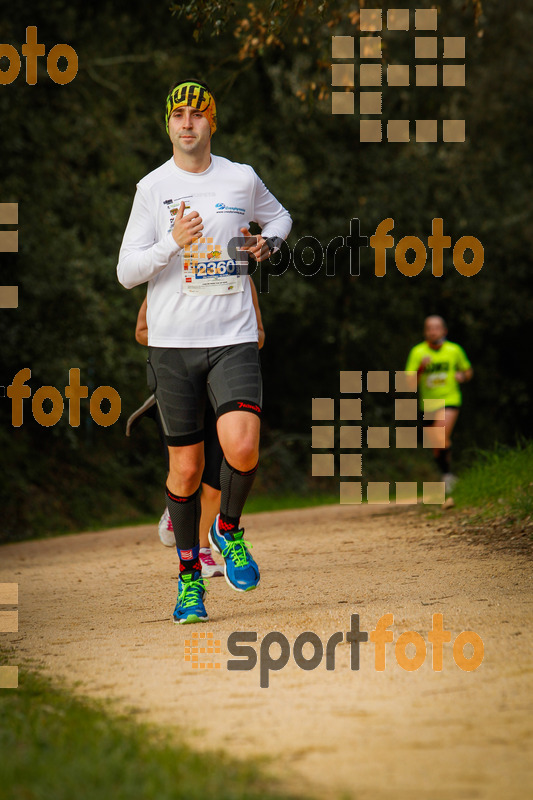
186,229
255,245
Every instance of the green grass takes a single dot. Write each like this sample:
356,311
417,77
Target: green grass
56,747
255,505
499,482
281,502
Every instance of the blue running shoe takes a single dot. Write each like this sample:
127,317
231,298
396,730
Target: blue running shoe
190,604
240,569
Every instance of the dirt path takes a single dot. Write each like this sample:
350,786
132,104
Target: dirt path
95,608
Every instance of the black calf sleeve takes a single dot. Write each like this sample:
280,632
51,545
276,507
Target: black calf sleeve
235,488
444,459
185,515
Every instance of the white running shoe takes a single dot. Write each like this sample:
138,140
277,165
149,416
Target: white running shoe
166,531
449,482
210,568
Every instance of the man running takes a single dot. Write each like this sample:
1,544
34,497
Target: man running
202,331
210,495
441,367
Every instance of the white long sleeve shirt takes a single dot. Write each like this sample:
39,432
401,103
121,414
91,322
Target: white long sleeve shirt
228,196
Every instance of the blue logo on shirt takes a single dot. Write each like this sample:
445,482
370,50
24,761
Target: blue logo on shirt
223,208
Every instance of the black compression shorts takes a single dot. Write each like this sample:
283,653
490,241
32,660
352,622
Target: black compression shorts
427,422
183,378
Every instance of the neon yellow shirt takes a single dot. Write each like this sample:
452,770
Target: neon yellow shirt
438,382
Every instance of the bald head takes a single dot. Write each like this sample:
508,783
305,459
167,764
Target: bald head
435,330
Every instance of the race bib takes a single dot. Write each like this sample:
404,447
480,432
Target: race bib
208,269
436,380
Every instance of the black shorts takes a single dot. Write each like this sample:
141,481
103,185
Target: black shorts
182,380
212,449
427,423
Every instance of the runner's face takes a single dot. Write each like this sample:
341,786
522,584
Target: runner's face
434,330
189,130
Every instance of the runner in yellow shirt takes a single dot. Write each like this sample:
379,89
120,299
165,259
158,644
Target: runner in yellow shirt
441,366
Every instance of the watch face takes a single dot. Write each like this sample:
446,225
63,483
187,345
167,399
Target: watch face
271,246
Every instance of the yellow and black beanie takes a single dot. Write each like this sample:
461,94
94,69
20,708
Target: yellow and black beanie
196,95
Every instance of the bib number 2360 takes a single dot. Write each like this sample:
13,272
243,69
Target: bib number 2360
209,268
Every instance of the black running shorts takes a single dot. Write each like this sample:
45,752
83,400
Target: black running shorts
428,422
183,378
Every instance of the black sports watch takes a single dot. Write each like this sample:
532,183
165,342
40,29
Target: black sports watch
274,243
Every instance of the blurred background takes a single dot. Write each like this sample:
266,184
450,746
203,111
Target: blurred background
72,154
